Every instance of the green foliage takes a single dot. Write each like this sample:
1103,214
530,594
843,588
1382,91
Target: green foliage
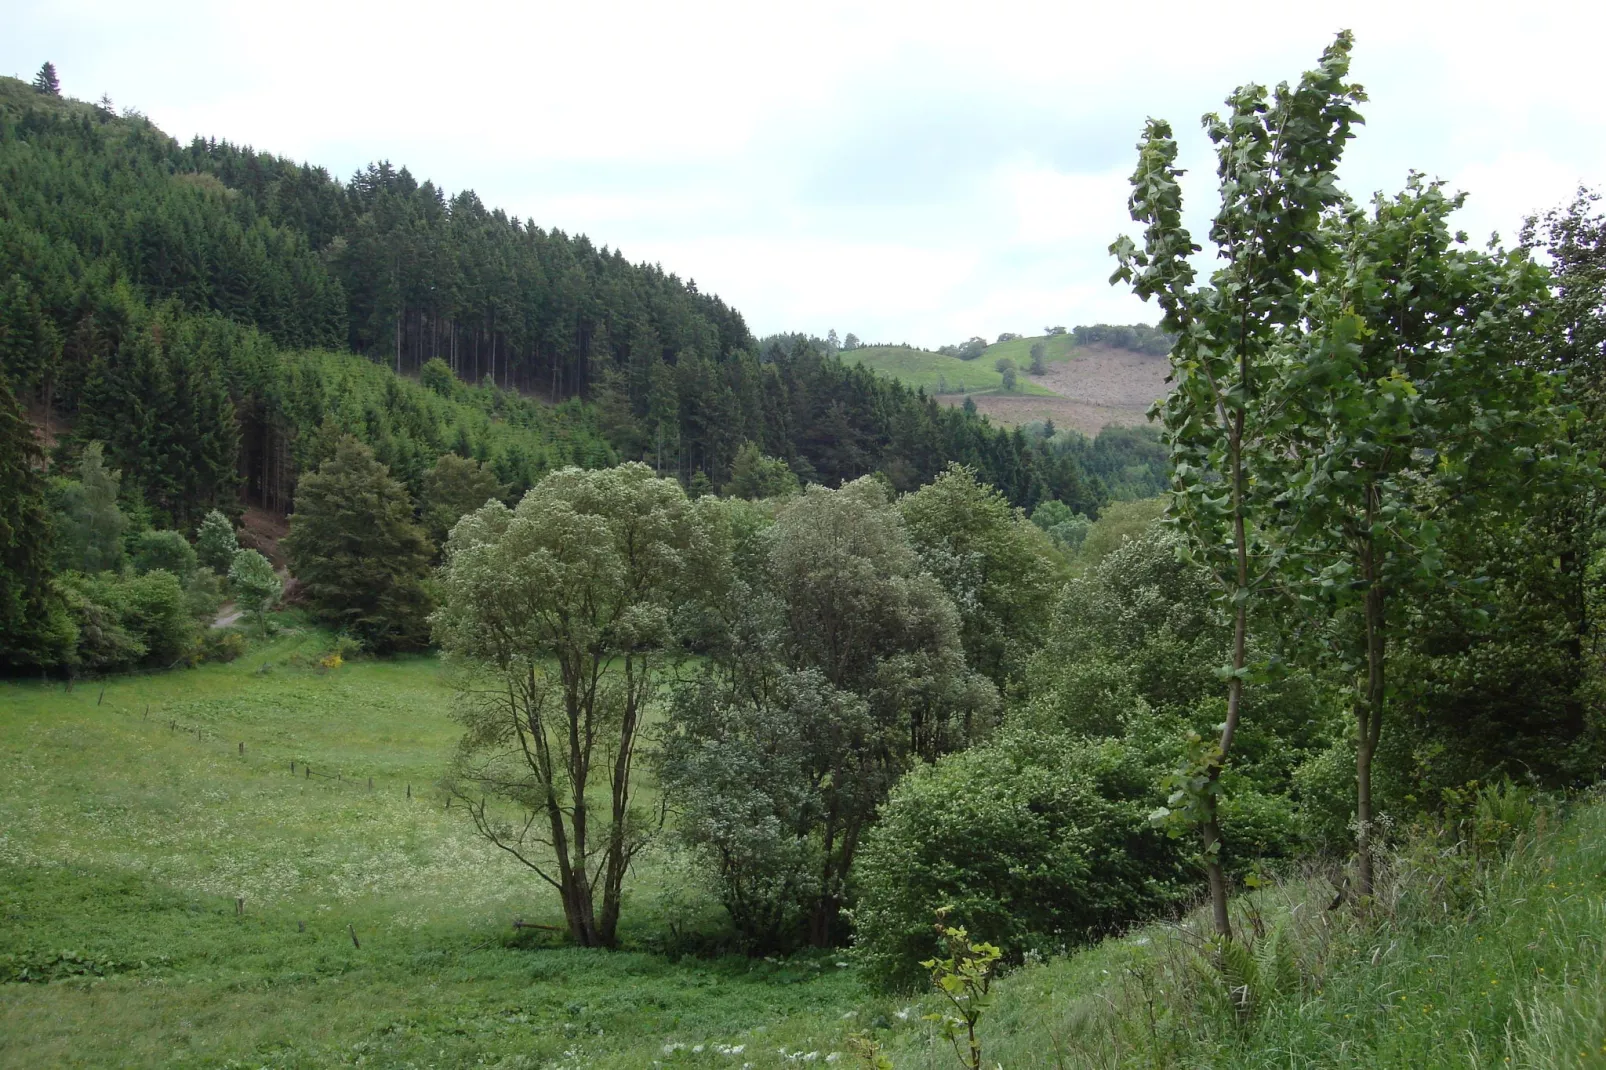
1066,528
566,603
964,978
840,664
168,550
991,561
754,779
125,621
91,523
1038,353
455,487
437,375
255,584
221,645
1139,338
1033,840
33,627
46,82
1133,652
358,555
160,402
1118,523
1131,462
215,542
204,593
1277,156
1491,673
755,476
1007,373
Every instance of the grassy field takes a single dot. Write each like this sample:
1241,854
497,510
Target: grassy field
1058,348
936,373
126,838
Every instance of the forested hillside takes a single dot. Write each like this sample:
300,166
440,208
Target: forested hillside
566,612
115,240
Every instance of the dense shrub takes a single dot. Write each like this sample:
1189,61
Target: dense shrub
167,550
1033,841
124,621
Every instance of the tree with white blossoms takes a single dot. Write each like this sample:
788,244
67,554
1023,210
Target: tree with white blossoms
558,615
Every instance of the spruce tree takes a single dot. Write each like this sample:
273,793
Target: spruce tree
33,627
455,487
359,556
46,81
93,525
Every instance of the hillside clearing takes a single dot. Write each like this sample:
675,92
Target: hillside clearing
1096,387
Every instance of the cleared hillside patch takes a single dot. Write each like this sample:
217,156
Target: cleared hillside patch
938,374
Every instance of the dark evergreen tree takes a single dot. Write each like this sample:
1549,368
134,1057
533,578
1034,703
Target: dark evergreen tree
455,487
34,629
359,556
46,81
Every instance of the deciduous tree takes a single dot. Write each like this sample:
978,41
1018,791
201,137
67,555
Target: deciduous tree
1277,153
559,612
1412,392
255,584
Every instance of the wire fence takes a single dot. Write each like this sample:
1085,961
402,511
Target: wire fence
297,767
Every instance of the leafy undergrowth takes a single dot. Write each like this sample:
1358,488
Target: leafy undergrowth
1460,962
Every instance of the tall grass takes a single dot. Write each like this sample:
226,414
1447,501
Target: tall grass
1484,947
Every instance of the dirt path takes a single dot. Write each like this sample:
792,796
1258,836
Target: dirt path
228,616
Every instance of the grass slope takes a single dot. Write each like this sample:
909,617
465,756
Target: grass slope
1452,969
920,368
124,840
1056,348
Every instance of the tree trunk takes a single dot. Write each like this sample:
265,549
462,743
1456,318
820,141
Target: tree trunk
618,861
1210,828
1368,726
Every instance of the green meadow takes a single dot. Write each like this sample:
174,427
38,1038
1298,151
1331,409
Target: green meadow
1056,348
937,373
173,900
133,839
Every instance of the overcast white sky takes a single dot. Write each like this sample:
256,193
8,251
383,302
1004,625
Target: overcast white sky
907,171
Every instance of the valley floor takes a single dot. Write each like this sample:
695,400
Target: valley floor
170,899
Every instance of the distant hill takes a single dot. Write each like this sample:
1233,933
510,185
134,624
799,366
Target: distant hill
942,375
1097,376
152,292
